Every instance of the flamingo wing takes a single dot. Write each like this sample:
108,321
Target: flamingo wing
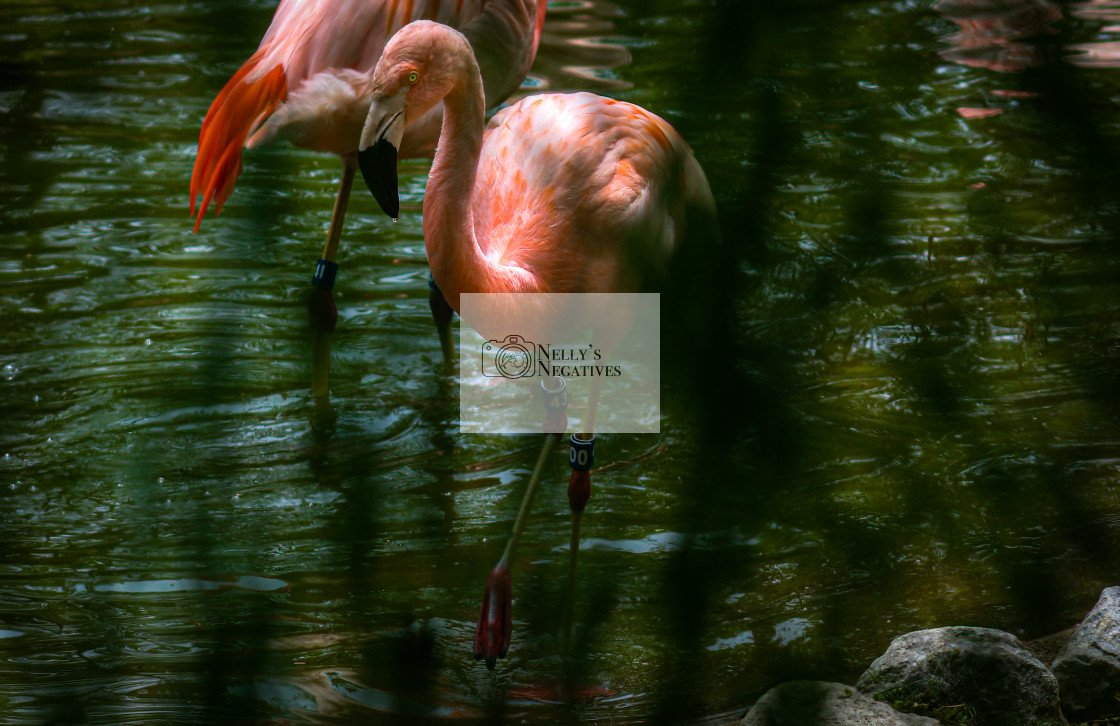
588,193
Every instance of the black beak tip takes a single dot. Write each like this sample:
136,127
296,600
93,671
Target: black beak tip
379,168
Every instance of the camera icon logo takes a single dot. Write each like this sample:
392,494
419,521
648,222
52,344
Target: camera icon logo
513,357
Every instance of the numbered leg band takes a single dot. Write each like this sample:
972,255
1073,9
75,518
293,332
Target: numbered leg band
325,272
581,453
554,400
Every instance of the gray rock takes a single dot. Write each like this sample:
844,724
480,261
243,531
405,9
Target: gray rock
1088,668
988,671
815,703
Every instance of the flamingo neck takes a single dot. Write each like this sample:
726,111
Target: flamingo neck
454,255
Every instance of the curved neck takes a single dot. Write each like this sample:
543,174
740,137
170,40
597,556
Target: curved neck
456,260
505,37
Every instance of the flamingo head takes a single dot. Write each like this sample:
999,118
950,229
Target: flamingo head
419,67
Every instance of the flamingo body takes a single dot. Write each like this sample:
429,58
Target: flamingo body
574,193
308,81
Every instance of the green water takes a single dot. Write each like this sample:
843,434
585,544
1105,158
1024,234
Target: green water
892,392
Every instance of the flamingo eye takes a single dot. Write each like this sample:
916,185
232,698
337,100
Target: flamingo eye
413,77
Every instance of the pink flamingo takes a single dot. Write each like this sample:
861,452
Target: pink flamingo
309,82
561,193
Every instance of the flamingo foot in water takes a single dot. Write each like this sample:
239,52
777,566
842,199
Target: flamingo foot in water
495,621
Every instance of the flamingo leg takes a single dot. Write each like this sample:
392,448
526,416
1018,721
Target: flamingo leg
324,313
338,216
581,457
495,621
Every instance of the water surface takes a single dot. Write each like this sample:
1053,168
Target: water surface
892,403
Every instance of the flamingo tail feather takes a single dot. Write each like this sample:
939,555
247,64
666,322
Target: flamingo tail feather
239,109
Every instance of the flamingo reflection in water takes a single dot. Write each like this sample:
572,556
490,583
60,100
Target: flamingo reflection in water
562,193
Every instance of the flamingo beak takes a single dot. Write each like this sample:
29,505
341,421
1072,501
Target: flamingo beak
377,152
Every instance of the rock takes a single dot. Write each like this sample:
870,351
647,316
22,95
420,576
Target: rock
988,671
815,703
1088,668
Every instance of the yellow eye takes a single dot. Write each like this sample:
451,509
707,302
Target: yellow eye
413,77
